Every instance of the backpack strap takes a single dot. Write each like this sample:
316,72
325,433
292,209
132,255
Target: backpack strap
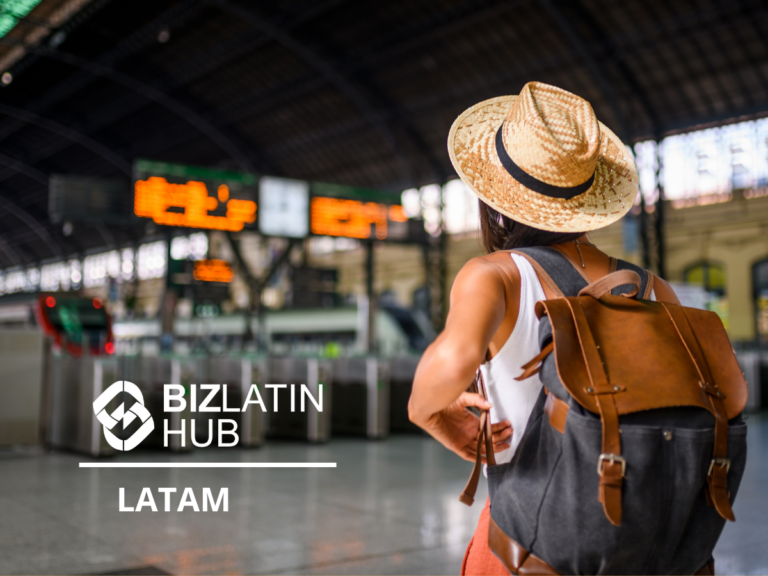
717,475
555,269
611,464
485,436
565,279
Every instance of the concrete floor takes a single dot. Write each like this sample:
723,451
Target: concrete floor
390,507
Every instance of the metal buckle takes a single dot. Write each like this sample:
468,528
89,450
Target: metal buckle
612,458
725,462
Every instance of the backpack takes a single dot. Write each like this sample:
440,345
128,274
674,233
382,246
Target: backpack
634,452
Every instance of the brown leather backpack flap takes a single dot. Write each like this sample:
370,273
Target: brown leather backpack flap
720,358
643,354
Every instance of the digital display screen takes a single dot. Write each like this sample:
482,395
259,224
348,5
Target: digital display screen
354,218
192,197
213,271
284,207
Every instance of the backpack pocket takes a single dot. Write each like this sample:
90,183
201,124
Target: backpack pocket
546,498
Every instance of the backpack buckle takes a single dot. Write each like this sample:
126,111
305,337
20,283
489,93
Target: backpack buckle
613,458
724,462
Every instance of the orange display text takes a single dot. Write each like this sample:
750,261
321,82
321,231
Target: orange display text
155,196
213,271
352,218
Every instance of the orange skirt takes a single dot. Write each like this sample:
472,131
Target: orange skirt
478,559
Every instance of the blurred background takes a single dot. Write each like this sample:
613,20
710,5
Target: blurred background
250,192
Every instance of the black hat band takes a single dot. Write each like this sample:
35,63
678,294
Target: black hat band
534,183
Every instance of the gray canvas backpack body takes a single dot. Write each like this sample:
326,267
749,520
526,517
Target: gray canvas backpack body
634,452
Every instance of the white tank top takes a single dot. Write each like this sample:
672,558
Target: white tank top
513,400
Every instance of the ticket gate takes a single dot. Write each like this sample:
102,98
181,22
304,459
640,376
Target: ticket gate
750,363
75,383
238,374
361,397
150,374
403,371
312,424
24,363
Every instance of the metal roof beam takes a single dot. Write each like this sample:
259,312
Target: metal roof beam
588,59
69,133
8,250
23,168
186,113
612,51
328,71
33,223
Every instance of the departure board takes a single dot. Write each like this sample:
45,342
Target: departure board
213,271
194,197
354,218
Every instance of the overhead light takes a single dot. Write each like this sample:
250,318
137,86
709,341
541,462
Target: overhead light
57,39
6,78
164,36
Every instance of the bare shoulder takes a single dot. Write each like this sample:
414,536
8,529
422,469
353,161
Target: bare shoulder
496,267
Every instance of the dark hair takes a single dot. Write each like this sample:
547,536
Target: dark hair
498,232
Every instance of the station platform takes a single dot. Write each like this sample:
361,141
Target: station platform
390,507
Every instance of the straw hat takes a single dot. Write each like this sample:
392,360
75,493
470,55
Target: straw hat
543,159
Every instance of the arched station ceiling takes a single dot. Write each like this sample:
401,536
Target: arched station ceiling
359,93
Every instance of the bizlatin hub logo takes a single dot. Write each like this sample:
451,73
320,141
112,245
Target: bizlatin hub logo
195,398
200,398
137,410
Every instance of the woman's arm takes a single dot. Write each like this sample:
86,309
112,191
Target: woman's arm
438,403
478,305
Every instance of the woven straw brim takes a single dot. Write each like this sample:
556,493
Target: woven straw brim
471,144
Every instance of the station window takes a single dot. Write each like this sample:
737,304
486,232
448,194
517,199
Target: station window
711,277
760,286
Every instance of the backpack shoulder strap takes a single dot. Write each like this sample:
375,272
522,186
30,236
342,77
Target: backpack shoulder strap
646,280
554,269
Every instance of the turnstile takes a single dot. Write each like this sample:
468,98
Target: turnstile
24,361
751,367
150,374
312,424
238,374
75,383
403,371
361,397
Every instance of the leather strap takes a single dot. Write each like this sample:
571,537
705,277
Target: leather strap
717,476
468,495
485,425
542,274
514,557
534,366
557,411
607,283
611,466
649,286
485,434
518,560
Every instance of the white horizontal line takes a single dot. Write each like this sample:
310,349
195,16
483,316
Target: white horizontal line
207,464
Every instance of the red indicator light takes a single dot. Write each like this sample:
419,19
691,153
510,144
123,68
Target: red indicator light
50,301
109,348
96,303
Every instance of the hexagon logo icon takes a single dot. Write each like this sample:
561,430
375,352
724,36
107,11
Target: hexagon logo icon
109,421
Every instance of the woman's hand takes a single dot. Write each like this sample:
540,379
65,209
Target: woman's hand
457,428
